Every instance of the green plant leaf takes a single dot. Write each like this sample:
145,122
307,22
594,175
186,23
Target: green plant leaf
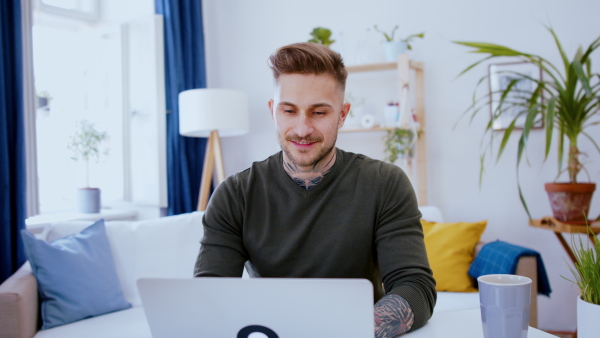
505,138
549,125
564,57
566,99
582,77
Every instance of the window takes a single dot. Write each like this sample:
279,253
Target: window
111,74
78,9
78,76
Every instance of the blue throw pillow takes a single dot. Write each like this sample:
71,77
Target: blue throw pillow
76,276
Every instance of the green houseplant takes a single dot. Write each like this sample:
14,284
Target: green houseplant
85,145
566,98
399,143
587,277
392,47
321,35
406,40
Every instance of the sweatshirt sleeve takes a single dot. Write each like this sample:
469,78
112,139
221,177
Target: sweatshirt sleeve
400,245
222,252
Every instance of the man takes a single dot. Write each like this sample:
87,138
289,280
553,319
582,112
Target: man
313,210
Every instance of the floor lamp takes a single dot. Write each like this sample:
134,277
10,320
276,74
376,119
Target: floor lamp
212,113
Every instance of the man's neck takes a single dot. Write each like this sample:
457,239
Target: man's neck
308,177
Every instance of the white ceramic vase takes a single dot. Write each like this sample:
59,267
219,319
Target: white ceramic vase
393,49
88,200
353,121
588,315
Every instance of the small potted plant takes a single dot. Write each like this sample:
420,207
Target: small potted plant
321,35
85,145
566,98
399,143
587,277
393,48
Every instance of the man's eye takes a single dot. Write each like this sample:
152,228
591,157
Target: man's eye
320,112
288,111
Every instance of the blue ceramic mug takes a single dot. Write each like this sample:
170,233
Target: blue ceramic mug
505,302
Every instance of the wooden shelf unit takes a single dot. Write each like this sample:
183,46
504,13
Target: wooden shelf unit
404,67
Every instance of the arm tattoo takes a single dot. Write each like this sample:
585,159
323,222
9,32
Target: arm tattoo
393,316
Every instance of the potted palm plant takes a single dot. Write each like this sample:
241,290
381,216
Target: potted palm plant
566,98
85,145
587,277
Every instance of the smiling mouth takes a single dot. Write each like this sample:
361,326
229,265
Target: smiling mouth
304,142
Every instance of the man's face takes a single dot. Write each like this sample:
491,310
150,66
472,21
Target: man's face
307,110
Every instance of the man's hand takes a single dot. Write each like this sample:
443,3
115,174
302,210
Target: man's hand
393,316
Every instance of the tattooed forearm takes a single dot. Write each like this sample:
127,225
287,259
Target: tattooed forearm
393,316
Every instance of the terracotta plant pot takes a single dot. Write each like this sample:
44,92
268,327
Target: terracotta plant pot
569,201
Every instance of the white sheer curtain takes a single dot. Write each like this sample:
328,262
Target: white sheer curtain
29,109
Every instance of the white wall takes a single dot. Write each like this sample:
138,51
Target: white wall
240,35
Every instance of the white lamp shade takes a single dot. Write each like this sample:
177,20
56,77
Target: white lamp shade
204,110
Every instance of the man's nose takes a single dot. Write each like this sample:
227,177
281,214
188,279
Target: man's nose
304,125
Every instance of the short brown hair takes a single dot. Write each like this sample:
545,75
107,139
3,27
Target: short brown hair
308,58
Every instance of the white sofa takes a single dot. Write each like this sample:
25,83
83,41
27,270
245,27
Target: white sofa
165,247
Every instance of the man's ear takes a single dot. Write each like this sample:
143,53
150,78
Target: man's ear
344,114
271,109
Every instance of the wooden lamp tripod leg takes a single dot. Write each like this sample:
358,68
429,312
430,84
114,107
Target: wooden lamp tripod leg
213,156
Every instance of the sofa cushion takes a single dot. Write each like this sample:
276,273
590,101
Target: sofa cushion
76,276
130,323
164,247
451,249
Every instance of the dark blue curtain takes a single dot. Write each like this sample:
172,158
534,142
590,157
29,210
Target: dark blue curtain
184,69
12,146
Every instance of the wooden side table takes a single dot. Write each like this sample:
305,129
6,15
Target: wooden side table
558,227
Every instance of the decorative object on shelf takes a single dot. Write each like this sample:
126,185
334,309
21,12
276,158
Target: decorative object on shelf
587,277
391,115
565,101
400,142
212,113
85,145
356,111
393,48
367,121
321,35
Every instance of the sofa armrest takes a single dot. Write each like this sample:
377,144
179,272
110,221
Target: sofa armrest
527,266
19,304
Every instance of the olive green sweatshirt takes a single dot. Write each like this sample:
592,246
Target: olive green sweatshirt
360,221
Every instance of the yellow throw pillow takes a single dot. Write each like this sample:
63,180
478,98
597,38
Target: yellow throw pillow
450,249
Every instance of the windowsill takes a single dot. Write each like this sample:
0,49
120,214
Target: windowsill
38,223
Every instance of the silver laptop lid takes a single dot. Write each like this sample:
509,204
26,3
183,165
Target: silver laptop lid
275,307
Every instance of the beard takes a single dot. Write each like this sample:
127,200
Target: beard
303,158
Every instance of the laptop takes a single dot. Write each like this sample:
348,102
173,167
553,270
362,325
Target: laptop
258,307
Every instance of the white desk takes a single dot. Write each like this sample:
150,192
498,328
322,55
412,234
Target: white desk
463,324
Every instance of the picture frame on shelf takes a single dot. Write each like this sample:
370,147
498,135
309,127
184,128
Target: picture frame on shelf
500,77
